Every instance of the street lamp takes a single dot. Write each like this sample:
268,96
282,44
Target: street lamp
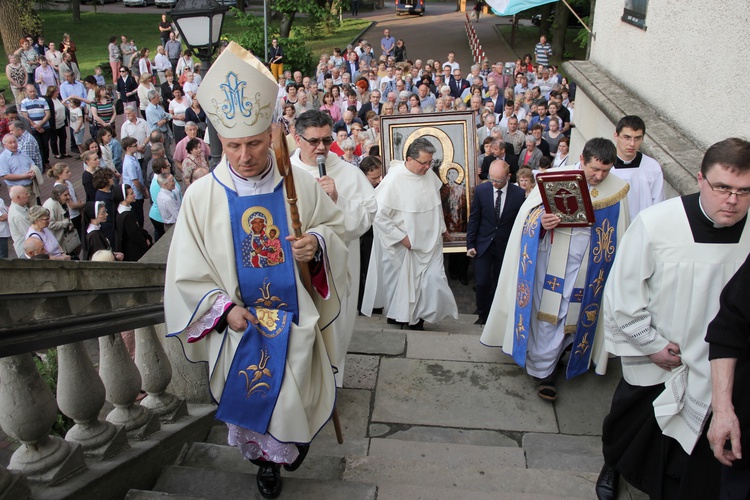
200,23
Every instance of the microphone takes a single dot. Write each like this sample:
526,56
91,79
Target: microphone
321,165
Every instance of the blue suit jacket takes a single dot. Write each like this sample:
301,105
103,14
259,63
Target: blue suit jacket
483,227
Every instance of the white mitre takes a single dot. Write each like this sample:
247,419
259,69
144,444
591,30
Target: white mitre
238,94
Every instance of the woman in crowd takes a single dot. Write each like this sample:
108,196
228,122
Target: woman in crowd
144,63
45,76
94,214
61,174
160,165
166,89
102,109
40,219
388,109
553,135
130,239
358,138
103,181
338,145
330,106
563,149
185,62
349,155
414,102
58,133
67,46
402,109
104,139
177,108
91,145
194,161
189,86
530,155
400,51
90,166
144,88
16,78
29,59
287,119
196,115
114,58
60,225
127,86
526,180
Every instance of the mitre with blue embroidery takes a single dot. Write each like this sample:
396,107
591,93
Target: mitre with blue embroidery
238,94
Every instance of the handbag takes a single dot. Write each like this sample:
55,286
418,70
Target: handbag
70,241
119,107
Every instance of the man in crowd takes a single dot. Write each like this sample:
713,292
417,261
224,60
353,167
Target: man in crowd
494,208
642,172
36,110
350,190
18,217
406,275
655,321
26,143
457,84
514,136
372,105
496,98
180,151
248,291
549,292
387,43
173,48
15,166
136,127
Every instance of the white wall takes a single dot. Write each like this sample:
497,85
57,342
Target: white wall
692,64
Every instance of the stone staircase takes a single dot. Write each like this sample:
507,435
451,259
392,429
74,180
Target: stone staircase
427,415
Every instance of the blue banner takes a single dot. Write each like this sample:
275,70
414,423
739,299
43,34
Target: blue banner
511,7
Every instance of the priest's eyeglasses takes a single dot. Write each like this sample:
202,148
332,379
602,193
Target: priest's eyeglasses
327,141
726,191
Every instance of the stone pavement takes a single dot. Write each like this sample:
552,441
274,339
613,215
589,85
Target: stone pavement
429,415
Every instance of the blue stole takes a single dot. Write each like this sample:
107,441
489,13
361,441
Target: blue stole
601,256
265,271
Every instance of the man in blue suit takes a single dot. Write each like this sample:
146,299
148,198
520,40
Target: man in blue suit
493,211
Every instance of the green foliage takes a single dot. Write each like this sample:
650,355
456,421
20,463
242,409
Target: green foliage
48,370
582,38
296,54
31,23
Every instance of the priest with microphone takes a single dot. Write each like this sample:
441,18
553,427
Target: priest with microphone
350,190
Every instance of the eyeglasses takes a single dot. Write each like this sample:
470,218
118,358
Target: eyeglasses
123,71
726,191
498,181
327,141
423,163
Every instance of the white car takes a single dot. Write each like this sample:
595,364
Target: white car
137,3
166,3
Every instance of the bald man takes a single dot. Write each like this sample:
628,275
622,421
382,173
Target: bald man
495,207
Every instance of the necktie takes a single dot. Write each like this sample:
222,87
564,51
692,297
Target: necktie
497,204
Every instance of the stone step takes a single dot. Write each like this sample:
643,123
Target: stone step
464,324
222,485
448,454
229,459
157,495
563,452
427,434
453,347
461,481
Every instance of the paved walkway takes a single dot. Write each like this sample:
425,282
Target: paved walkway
439,31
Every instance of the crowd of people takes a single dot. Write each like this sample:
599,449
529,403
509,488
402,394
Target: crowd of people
551,295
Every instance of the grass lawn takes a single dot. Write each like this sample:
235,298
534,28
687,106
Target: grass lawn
91,35
528,36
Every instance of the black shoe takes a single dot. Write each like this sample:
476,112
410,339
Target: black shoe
419,326
303,449
269,480
480,321
392,321
606,484
463,279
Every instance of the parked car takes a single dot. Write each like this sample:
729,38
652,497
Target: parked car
228,3
166,3
138,3
581,10
98,2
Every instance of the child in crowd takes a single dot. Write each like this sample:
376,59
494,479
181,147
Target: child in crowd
99,77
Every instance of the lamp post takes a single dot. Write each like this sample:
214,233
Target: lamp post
200,23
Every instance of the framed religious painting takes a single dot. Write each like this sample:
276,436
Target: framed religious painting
454,136
566,194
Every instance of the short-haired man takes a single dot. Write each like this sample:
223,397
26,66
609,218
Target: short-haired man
550,289
180,151
542,51
372,105
136,127
494,208
173,49
514,136
168,200
26,142
541,118
642,172
36,110
18,217
133,175
663,291
387,43
232,292
350,190
15,166
406,275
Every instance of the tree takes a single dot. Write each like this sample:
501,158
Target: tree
559,29
75,6
18,20
290,8
544,24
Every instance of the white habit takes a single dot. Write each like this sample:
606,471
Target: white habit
665,287
356,199
201,267
646,182
552,328
409,284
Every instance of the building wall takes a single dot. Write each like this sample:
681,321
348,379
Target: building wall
691,64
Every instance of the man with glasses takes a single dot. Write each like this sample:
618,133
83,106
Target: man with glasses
550,288
494,208
406,276
372,105
662,293
350,190
642,172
